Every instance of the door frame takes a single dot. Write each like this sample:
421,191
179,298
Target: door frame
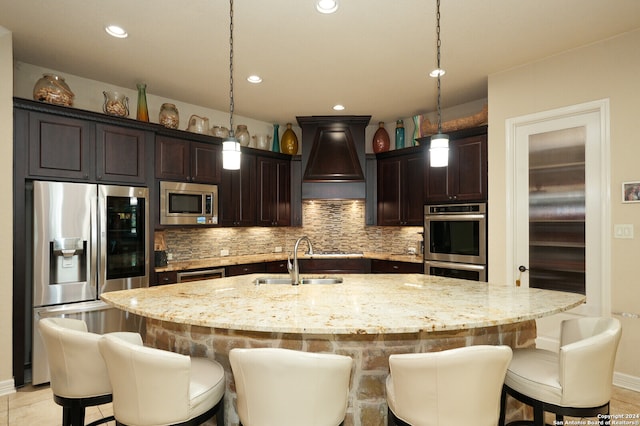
601,297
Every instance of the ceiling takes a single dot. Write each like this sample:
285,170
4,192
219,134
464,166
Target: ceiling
372,56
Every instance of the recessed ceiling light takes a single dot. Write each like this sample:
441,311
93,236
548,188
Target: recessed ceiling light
116,31
338,107
438,72
255,79
327,6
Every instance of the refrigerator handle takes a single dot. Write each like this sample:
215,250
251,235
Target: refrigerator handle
95,231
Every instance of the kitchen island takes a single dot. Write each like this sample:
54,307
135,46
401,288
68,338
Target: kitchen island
368,317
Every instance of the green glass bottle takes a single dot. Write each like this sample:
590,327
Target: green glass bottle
399,134
143,111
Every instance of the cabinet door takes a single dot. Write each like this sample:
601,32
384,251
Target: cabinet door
465,178
60,146
206,162
120,154
238,194
173,159
389,191
413,190
274,192
469,182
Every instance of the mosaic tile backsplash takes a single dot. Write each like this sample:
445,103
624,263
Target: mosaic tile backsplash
331,225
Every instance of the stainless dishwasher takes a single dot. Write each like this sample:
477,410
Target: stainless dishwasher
203,274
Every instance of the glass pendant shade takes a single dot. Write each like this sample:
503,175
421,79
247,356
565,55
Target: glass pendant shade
231,154
439,150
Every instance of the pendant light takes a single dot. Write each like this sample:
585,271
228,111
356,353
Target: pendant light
230,146
439,149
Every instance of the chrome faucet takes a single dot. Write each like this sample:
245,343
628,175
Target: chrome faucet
293,269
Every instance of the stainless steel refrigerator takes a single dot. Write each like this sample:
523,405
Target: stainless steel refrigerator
87,239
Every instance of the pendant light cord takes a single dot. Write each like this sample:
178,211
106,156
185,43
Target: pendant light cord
231,103
438,44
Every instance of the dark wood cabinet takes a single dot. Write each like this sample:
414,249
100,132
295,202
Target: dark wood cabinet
169,277
334,266
400,193
59,147
249,268
395,267
274,191
185,160
121,153
80,149
276,267
237,193
465,178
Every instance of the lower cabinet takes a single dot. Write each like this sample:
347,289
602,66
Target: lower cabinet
392,266
249,268
334,266
169,277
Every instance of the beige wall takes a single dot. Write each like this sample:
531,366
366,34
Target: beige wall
6,224
607,69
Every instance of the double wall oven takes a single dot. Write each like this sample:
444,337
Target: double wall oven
456,240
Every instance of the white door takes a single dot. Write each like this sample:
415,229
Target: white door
559,168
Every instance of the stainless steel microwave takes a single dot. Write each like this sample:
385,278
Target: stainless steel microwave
183,203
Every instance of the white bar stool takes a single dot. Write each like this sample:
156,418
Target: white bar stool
290,388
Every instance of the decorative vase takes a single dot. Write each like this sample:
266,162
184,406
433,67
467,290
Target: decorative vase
143,111
276,138
169,116
381,141
399,134
115,103
289,144
52,89
417,119
261,141
242,134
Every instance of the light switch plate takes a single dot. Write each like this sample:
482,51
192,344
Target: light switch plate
624,230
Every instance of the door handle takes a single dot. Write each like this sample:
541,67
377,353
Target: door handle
522,269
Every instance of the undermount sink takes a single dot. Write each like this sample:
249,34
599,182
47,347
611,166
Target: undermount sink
303,280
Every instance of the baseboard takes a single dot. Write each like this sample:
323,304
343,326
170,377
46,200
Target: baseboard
7,387
626,381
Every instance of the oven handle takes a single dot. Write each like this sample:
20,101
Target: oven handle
452,265
455,216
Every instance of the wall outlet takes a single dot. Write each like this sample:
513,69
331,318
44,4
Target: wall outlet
623,231
224,252
169,256
278,249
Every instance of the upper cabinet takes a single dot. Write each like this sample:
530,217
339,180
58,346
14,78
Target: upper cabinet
465,178
274,191
237,193
185,160
62,144
400,181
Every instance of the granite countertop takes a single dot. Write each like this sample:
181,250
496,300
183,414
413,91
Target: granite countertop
216,262
362,304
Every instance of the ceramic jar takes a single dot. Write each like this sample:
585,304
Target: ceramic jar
262,141
53,89
220,131
381,142
289,141
198,124
169,116
115,103
242,134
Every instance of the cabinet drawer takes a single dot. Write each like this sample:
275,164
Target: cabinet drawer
334,266
279,267
169,277
250,268
391,266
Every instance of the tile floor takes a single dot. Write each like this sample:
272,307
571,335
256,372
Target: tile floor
33,405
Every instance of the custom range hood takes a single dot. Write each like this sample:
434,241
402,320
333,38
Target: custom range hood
333,156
